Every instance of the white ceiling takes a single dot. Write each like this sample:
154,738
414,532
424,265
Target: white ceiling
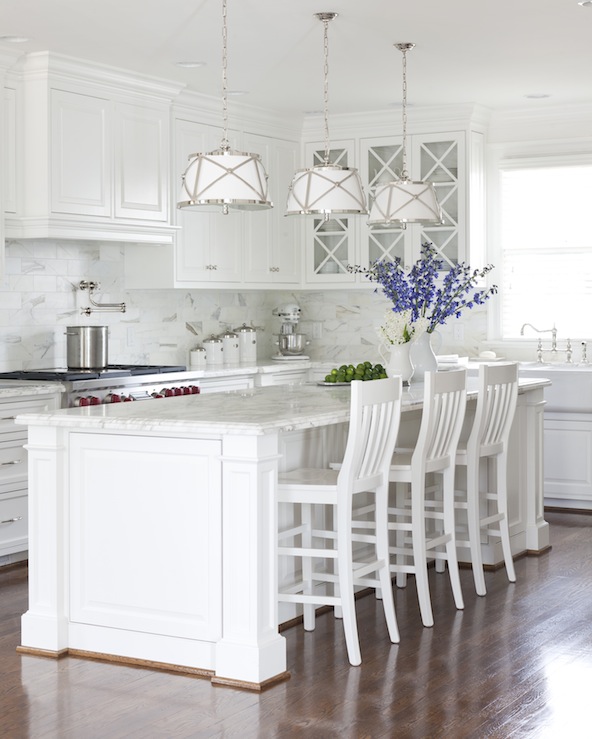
467,51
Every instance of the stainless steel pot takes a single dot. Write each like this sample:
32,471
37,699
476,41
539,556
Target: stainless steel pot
87,347
292,344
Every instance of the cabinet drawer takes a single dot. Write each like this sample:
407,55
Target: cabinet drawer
13,463
13,522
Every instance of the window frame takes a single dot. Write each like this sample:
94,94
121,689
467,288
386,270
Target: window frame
511,157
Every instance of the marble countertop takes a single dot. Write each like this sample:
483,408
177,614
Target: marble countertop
261,366
19,389
251,412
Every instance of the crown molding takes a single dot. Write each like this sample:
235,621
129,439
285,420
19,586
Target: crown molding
423,119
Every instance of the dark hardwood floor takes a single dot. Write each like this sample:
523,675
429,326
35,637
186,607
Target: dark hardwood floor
516,663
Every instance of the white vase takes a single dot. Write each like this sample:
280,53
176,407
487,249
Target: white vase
423,357
398,361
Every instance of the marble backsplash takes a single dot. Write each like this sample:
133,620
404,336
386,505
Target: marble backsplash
39,297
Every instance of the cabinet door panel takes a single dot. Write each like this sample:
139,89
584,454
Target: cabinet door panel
272,253
208,243
80,154
330,245
145,519
141,163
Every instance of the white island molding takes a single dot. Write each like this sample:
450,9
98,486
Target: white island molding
153,525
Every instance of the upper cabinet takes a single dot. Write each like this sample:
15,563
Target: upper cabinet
92,154
435,158
330,243
272,245
248,249
452,160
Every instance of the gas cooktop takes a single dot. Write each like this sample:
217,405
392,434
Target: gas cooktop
71,375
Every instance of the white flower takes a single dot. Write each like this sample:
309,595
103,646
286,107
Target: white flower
397,327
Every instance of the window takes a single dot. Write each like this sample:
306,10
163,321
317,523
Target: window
546,249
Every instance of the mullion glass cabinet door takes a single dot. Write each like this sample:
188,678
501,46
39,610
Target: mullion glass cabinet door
382,161
330,243
440,160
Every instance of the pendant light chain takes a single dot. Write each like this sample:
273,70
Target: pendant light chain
404,48
326,85
401,201
404,173
225,145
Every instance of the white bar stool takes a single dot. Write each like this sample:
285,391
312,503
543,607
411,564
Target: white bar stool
488,440
444,403
329,572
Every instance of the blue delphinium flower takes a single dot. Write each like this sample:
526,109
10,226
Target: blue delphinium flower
418,290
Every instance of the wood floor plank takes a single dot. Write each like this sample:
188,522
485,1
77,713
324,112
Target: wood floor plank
515,663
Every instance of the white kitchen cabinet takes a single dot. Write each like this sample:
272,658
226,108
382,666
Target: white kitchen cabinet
330,244
225,384
13,469
568,460
284,376
452,160
80,155
207,246
94,161
248,249
145,529
272,248
436,158
142,162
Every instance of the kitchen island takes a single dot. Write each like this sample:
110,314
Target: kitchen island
153,524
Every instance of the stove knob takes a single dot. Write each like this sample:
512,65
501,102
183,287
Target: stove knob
186,390
157,395
177,391
194,389
126,399
167,392
112,398
80,401
93,400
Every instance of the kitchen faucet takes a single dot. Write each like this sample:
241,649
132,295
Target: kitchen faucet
552,331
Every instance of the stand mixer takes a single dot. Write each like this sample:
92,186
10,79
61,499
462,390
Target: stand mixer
291,343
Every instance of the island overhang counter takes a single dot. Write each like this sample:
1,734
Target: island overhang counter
153,525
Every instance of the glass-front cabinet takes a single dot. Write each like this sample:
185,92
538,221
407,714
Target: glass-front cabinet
452,161
438,159
331,242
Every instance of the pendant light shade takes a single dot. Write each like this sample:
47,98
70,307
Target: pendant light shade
404,201
226,178
326,188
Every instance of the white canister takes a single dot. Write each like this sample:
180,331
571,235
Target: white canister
231,348
247,343
197,358
214,350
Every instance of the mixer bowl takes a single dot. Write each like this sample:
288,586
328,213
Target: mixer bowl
292,344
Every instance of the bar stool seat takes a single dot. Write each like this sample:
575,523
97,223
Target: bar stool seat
334,555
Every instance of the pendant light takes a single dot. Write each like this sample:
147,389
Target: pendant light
404,201
326,189
224,177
